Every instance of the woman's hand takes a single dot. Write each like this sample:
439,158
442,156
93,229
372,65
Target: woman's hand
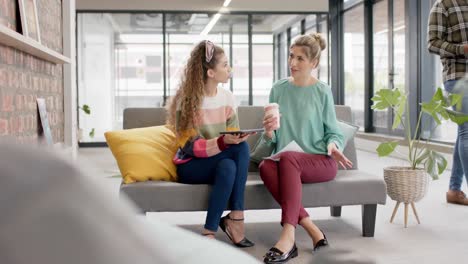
270,124
234,139
338,156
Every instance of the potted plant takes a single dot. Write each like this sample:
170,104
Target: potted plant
86,110
409,184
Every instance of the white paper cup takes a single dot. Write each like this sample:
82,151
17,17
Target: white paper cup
273,109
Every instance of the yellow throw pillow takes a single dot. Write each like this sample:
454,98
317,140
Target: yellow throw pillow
144,154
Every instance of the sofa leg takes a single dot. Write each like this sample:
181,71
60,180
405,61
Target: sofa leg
369,212
335,211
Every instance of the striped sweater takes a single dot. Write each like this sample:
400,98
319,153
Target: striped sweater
218,113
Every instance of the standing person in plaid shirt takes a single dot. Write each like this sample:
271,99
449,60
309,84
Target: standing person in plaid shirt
448,37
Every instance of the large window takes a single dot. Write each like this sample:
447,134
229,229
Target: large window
312,26
240,58
354,62
324,66
283,51
137,59
262,58
398,75
398,57
389,56
380,57
230,32
138,65
399,42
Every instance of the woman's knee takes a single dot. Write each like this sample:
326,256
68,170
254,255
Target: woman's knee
226,171
333,170
266,168
288,158
241,148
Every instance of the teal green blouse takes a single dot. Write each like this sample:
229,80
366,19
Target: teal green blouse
307,117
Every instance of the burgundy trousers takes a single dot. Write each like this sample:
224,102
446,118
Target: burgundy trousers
284,180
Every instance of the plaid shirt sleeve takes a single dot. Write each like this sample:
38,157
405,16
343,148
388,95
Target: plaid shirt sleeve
437,34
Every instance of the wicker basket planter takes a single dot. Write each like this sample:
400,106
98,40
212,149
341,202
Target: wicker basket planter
405,185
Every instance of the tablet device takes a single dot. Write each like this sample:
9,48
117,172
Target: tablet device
242,131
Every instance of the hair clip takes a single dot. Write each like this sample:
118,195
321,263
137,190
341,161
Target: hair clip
209,50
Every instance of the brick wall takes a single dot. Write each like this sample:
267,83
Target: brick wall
23,78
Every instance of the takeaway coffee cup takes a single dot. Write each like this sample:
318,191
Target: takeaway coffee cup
273,109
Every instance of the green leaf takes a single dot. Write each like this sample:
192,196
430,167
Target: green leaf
386,148
435,164
458,105
400,110
432,108
86,109
443,113
457,117
454,99
385,98
438,96
422,157
91,133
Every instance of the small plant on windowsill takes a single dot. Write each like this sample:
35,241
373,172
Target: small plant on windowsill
409,184
85,108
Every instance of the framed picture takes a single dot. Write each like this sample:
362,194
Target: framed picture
44,128
29,19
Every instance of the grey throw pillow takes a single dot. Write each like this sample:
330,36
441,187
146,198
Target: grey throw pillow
348,130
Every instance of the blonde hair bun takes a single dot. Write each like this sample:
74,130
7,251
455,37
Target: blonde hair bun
321,41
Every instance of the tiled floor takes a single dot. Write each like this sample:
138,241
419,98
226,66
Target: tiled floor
442,236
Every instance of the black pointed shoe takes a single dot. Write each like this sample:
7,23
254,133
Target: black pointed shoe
275,255
244,242
321,243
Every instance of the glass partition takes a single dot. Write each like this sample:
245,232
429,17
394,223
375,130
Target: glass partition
124,59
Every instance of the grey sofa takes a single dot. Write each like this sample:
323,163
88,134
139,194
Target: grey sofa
350,187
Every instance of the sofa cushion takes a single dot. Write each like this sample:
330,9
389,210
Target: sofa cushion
351,187
144,154
348,130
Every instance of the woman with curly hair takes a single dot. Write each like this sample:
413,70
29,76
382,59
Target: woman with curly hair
198,113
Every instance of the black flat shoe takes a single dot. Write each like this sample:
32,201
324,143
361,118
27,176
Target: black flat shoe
244,242
321,243
275,255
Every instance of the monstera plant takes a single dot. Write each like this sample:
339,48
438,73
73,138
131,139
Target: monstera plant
409,184
437,108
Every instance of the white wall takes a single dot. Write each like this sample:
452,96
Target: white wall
69,76
206,5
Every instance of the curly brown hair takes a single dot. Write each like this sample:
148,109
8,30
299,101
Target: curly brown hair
189,97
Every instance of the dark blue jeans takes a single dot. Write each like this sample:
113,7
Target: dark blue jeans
227,172
460,153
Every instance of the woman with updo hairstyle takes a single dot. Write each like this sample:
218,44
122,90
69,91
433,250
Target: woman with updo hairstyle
308,118
199,111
